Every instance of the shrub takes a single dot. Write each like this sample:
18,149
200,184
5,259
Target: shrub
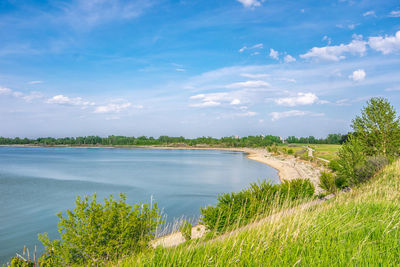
93,232
296,189
18,262
370,167
186,230
290,151
236,209
334,165
327,182
351,158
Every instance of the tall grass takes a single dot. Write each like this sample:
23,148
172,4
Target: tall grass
359,228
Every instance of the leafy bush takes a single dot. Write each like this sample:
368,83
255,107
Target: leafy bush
93,232
327,182
18,262
370,167
290,151
351,159
186,230
334,165
236,209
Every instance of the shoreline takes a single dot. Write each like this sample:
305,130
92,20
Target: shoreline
288,168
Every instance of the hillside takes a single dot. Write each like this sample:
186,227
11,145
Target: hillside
358,228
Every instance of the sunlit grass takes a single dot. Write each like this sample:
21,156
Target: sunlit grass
359,228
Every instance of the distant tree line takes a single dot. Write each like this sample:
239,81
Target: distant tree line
330,139
231,141
249,141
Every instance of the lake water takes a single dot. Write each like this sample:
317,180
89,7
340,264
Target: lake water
36,183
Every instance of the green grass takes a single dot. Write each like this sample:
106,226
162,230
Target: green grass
325,151
359,228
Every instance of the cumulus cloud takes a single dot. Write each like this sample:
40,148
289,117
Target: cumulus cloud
65,100
299,100
256,46
395,14
274,54
385,45
250,3
113,108
336,52
292,113
369,13
5,91
248,84
358,75
289,58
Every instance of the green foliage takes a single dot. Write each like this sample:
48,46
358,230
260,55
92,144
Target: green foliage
93,232
334,165
236,209
378,128
330,139
18,262
186,230
371,166
290,151
327,182
351,158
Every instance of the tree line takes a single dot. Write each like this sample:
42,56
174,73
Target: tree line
231,141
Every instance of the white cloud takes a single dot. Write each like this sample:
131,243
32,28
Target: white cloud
180,69
292,113
369,13
5,91
385,45
250,3
35,82
395,14
299,100
336,53
358,75
235,101
206,104
65,100
274,54
248,84
289,58
112,108
256,46
255,75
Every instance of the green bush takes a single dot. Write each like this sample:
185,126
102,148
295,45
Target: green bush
327,182
236,209
351,159
334,165
18,262
94,233
290,151
371,166
186,230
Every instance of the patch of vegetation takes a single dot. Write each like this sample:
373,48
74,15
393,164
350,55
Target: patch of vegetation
186,230
94,233
237,209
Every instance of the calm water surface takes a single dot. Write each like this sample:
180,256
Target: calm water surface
36,183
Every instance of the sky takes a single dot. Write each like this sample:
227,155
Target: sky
194,68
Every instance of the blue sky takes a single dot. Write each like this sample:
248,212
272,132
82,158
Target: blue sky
194,68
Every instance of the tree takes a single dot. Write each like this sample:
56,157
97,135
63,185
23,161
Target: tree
378,128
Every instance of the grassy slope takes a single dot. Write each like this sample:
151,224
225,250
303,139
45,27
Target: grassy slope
360,228
326,151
